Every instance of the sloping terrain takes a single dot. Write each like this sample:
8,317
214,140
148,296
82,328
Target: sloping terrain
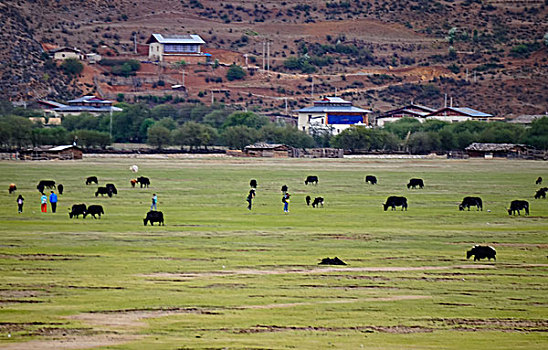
379,54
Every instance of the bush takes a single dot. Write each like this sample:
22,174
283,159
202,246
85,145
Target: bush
72,66
235,72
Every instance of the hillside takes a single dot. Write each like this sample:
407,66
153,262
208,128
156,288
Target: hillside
378,54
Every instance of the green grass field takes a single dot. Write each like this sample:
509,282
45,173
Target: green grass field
218,276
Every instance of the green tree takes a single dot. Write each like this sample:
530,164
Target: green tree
237,137
194,135
167,123
163,111
158,136
352,139
72,66
235,72
91,138
403,126
248,119
423,142
537,134
216,118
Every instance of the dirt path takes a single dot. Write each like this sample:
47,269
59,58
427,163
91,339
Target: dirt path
190,275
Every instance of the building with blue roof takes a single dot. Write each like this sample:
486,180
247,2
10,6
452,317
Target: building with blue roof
85,104
332,114
173,48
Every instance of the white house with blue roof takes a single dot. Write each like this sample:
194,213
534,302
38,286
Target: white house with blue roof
332,114
174,47
85,104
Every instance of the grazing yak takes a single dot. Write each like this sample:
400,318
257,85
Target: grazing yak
468,202
154,216
102,191
317,202
92,179
77,209
112,188
94,210
284,188
253,183
518,205
371,179
415,182
308,199
311,179
143,181
539,181
541,193
12,188
482,252
45,184
60,188
394,201
133,182
329,261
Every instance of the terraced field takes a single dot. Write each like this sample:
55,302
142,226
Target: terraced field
218,276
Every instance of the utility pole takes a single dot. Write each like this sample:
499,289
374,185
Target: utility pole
268,56
183,78
110,124
264,53
285,98
312,92
466,74
212,97
135,43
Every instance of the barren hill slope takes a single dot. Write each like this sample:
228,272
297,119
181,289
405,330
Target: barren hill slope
379,54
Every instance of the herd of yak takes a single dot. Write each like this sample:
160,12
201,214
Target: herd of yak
478,251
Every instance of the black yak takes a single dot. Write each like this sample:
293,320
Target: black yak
92,179
311,179
143,181
482,252
94,210
317,202
415,182
154,216
468,202
518,205
77,209
371,179
394,201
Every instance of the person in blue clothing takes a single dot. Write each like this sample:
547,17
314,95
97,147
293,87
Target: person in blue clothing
53,201
285,201
154,202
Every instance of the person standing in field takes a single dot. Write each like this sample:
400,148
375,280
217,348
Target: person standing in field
44,203
285,201
53,201
20,200
154,202
250,197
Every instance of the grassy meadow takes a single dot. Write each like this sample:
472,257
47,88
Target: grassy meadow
218,276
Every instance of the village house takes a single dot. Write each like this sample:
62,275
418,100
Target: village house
175,48
64,53
332,114
64,152
85,104
410,111
461,114
496,150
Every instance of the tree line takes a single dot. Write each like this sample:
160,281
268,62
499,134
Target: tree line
196,125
